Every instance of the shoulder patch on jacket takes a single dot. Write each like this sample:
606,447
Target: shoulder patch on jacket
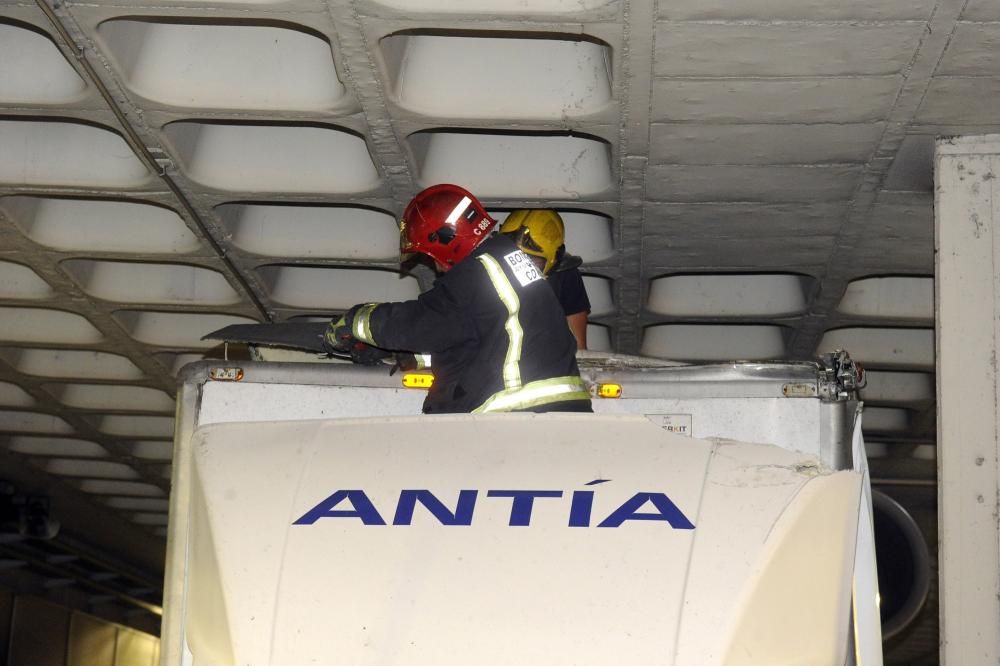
524,270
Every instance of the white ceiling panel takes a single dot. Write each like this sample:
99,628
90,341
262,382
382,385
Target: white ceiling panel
707,342
70,363
175,329
728,295
153,449
599,338
599,293
56,446
90,468
39,325
99,225
34,422
129,488
903,297
884,346
136,426
515,165
32,70
19,281
335,288
134,282
65,153
334,232
137,503
12,395
456,77
208,65
273,158
112,397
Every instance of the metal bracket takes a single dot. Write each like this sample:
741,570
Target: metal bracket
840,377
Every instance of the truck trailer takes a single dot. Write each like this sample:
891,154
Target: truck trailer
702,515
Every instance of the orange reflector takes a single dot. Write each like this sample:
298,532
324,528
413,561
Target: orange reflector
609,390
418,380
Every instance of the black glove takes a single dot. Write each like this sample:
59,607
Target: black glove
365,354
405,361
338,339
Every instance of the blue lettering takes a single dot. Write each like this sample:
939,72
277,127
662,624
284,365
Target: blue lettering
666,510
524,500
522,504
580,507
463,509
363,509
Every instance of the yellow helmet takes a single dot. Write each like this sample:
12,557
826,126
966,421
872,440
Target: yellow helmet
538,232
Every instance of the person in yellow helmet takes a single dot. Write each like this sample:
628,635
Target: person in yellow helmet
540,233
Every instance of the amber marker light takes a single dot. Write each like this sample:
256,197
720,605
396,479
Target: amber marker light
418,380
609,390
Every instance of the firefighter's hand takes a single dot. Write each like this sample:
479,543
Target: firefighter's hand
404,361
364,354
338,339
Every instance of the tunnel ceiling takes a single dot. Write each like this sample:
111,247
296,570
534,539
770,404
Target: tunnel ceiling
744,180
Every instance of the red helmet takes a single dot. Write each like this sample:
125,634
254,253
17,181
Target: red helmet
446,223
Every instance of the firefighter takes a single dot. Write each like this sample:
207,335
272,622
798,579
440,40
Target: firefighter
496,332
540,234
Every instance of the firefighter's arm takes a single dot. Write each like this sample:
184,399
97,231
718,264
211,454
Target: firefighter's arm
431,323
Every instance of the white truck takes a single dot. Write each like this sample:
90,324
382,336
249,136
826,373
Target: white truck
703,515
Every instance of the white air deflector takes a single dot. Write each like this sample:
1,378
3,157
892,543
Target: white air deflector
175,329
704,295
273,158
112,397
34,422
33,71
335,232
903,297
884,346
473,75
599,293
335,288
19,281
70,363
684,342
37,325
133,282
12,395
70,154
204,65
91,468
56,446
131,488
100,225
525,166
136,426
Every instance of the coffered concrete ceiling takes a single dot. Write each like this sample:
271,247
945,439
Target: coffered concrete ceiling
744,180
